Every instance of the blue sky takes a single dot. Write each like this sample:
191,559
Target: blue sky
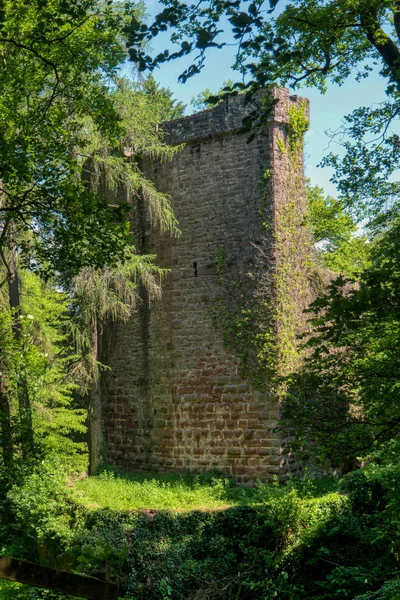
327,111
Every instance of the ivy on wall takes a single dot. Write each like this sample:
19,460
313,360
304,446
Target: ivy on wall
261,319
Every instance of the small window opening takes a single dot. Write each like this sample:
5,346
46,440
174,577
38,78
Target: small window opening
195,269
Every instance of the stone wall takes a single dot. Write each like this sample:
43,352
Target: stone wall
179,395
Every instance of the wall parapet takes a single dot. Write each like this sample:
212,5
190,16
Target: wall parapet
228,116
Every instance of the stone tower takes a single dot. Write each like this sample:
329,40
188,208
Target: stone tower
192,380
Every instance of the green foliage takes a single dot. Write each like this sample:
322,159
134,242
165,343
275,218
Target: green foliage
61,117
70,127
59,425
350,258
40,513
334,232
345,399
390,590
44,357
99,296
303,540
208,99
36,523
57,59
17,591
366,176
167,108
281,146
281,541
289,542
297,126
330,224
119,491
111,165
292,247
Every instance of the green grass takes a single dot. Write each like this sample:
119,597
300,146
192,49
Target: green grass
126,491
208,491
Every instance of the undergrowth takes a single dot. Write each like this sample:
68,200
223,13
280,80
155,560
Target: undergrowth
318,540
10,590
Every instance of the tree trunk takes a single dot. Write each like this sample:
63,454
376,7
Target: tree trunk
24,404
5,420
95,414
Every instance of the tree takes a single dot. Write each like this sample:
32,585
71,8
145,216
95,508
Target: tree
58,60
56,57
100,297
42,357
49,360
207,98
68,121
344,402
165,106
310,42
335,234
60,63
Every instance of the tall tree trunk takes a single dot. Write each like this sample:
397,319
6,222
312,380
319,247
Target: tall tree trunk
95,412
5,419
24,404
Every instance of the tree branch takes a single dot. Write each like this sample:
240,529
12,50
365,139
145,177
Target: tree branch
46,61
396,17
382,42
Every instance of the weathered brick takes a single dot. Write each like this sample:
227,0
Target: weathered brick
234,451
175,397
264,451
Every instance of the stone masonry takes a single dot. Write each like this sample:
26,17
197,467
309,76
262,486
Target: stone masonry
176,397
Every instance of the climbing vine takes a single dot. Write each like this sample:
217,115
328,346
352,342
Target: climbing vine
261,321
297,126
292,246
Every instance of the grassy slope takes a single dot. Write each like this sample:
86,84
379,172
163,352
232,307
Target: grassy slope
126,491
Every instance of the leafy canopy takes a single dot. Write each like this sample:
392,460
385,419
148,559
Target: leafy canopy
58,58
335,234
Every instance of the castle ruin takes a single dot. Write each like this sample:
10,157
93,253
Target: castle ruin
192,384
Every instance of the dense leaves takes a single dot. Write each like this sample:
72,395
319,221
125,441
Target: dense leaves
43,356
71,131
70,126
309,539
58,58
345,401
339,245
